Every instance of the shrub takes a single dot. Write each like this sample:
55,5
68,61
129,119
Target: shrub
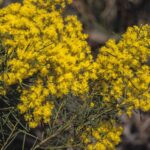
46,64
124,72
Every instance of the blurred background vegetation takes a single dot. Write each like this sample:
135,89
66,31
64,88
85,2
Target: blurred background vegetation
102,20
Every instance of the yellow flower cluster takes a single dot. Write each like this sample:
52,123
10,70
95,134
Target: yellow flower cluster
47,52
123,70
36,100
105,137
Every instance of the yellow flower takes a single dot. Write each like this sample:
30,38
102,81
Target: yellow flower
92,104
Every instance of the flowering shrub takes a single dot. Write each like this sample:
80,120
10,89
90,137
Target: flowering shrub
124,72
46,49
46,57
123,83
